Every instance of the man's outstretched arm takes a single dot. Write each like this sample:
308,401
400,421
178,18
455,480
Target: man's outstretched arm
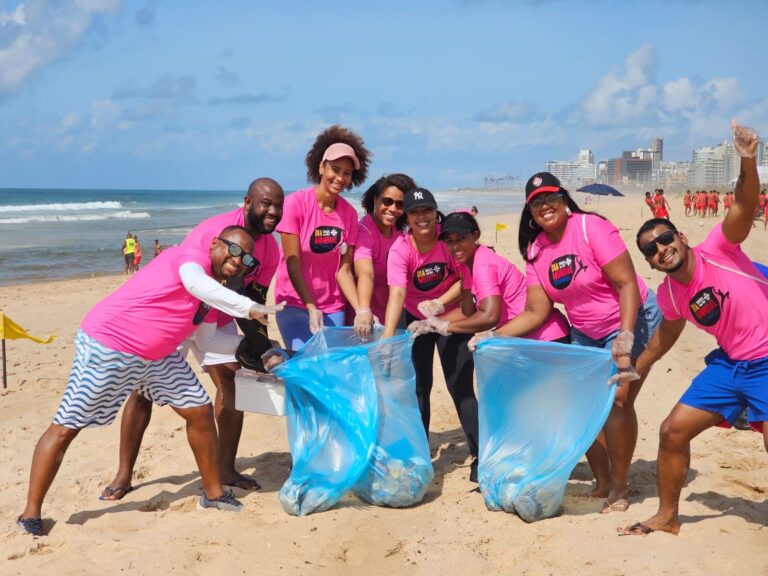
738,221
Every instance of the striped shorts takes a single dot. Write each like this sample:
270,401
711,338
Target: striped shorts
101,379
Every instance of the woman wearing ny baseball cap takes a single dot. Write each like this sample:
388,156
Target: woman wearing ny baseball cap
423,278
578,259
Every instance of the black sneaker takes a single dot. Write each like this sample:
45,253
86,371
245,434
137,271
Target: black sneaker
473,471
226,502
32,526
742,423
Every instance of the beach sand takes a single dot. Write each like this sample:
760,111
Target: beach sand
155,529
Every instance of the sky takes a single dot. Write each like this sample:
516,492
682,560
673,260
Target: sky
171,94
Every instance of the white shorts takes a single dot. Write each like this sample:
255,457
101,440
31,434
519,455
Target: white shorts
213,345
101,379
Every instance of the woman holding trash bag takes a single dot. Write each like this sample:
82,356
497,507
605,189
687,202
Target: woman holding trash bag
377,232
318,234
421,275
578,259
498,287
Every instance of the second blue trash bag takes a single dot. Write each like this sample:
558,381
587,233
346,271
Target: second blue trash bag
332,416
541,405
400,469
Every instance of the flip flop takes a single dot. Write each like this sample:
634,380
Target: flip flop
243,483
637,526
110,494
618,506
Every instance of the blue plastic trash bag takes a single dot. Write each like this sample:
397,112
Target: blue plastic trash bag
353,420
332,416
400,470
541,405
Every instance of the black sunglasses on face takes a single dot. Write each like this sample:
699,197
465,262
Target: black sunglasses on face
389,201
236,251
665,239
552,199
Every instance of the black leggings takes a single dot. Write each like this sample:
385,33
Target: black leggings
458,368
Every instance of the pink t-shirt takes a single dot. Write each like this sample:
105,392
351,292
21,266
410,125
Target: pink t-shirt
152,313
424,276
374,246
265,250
494,275
724,303
324,238
570,271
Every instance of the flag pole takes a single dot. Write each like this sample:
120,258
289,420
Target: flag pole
5,375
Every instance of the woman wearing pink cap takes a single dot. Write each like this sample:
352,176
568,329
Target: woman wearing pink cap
579,260
377,232
318,233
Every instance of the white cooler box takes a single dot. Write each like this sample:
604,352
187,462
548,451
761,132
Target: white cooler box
261,393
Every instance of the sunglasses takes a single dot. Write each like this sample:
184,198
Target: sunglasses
552,199
665,239
389,201
237,252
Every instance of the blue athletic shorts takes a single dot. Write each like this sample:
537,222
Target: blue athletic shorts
101,379
648,319
293,324
727,387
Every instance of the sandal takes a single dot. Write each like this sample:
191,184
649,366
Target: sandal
110,494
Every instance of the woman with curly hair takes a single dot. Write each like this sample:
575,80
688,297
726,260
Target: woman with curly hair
318,234
377,232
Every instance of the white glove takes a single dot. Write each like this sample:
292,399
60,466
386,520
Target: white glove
315,320
622,344
745,140
624,376
473,342
439,326
259,312
363,323
431,308
419,327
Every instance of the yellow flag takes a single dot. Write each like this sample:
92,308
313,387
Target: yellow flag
9,329
500,226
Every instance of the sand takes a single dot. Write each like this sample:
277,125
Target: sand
156,529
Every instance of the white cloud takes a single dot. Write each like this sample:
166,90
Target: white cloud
43,31
624,95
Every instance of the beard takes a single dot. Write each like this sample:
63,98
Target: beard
256,224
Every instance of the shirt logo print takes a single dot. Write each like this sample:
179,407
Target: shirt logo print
563,271
429,276
707,305
324,239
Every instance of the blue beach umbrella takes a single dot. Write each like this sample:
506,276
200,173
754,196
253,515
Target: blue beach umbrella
600,190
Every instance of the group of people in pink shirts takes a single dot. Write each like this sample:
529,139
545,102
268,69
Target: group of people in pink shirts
405,264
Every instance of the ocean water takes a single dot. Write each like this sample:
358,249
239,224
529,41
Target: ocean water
53,234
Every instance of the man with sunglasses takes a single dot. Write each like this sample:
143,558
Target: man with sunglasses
216,341
129,340
715,286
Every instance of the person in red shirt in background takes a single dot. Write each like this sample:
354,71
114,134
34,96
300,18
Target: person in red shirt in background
649,203
687,201
661,204
701,203
728,202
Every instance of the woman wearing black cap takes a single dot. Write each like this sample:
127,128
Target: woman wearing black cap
578,259
420,271
498,287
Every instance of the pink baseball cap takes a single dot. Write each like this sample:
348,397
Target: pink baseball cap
341,150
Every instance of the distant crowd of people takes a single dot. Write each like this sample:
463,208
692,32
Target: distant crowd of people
132,253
